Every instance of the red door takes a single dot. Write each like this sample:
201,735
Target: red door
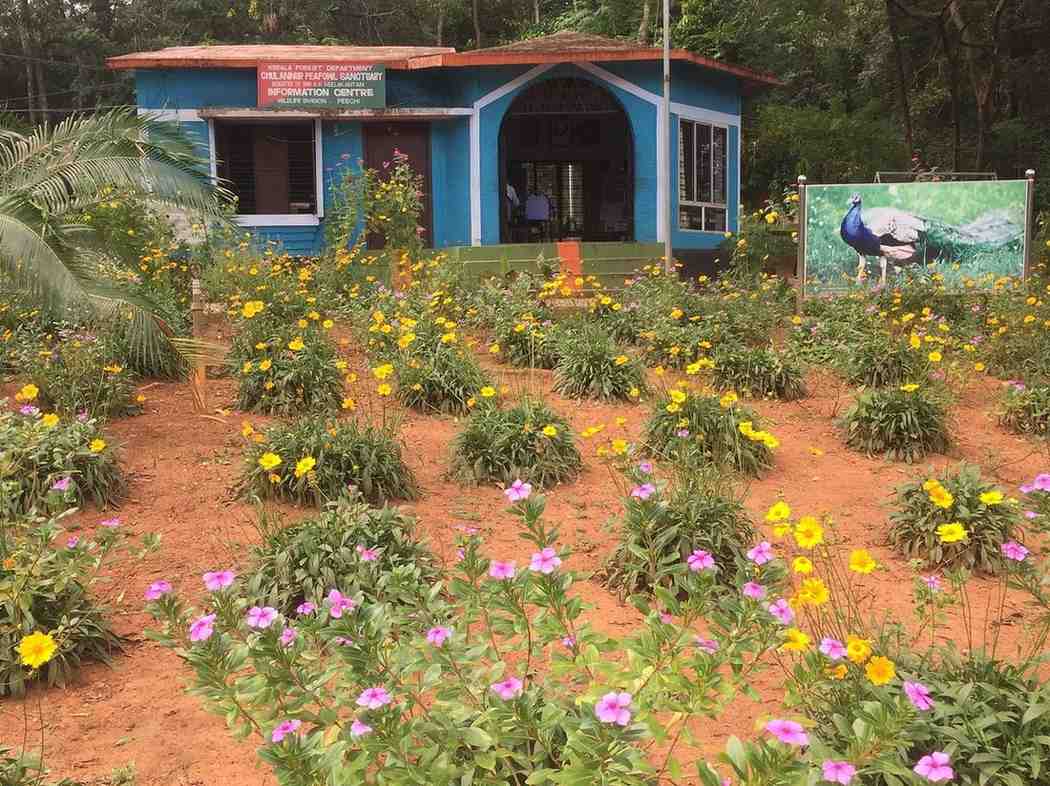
412,139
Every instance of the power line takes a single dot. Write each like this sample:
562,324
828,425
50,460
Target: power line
64,109
13,56
101,86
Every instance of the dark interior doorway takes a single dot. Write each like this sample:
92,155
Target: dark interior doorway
566,169
412,139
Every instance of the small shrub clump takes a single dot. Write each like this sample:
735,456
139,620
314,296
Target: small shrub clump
593,366
79,376
699,428
902,424
1026,410
758,373
880,360
313,460
444,381
956,520
528,343
374,553
528,441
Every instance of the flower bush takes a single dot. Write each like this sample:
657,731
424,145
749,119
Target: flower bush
1026,410
903,424
314,460
371,553
954,520
758,373
78,375
698,428
525,342
591,365
882,360
528,441
52,462
445,380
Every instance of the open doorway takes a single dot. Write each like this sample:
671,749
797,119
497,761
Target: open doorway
566,165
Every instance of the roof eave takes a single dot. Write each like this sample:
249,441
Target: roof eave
128,62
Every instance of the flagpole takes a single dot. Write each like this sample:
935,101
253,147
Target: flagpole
665,110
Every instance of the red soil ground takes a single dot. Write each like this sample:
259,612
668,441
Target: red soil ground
183,465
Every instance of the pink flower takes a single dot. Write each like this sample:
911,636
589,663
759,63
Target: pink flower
438,635
62,484
359,729
373,698
613,708
517,491
645,467
761,554
833,648
682,433
666,618
157,589
261,616
700,560
367,555
343,641
569,642
284,728
919,695
304,608
508,689
643,491
754,590
339,603
218,580
788,732
29,409
202,628
935,767
838,771
1030,514
72,542
710,646
782,610
932,582
288,635
545,561
112,523
1014,550
501,570
1042,481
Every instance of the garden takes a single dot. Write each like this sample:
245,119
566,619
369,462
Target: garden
386,520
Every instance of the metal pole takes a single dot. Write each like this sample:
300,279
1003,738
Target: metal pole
665,110
1029,224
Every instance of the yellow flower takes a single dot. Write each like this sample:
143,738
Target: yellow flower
808,532
494,349
797,641
269,460
619,446
634,392
251,308
265,365
97,445
935,356
620,360
802,565
488,391
247,367
860,561
727,400
911,387
837,672
672,408
915,342
348,404
296,344
678,396
779,511
36,649
858,650
303,323
406,339
951,533
880,670
383,371
550,430
304,465
246,429
993,497
27,393
328,324
940,496
813,592
50,420
113,368
978,367
384,389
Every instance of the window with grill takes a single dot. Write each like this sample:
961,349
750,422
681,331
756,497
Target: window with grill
562,184
269,166
702,176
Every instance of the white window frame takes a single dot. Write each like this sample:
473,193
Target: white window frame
723,206
278,219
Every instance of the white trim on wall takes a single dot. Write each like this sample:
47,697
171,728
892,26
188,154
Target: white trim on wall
277,220
319,167
213,161
393,113
172,115
705,115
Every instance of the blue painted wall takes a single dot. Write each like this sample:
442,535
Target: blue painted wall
342,142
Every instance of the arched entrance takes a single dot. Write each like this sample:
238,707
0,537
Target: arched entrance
566,165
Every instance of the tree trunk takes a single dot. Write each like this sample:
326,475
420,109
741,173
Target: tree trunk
902,77
439,27
477,24
953,89
643,26
22,13
536,11
41,87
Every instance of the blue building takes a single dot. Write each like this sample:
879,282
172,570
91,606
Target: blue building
542,140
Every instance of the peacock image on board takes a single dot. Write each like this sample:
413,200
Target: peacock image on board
961,234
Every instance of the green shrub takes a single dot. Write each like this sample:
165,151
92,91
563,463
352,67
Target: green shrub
903,424
881,360
1026,410
527,441
527,343
593,366
623,323
303,561
313,460
440,381
697,428
79,375
58,465
284,369
924,506
676,344
661,527
758,373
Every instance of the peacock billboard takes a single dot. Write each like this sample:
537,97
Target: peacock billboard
960,234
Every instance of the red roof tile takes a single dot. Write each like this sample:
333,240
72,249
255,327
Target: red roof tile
250,55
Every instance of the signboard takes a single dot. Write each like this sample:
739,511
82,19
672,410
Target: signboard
962,234
317,85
